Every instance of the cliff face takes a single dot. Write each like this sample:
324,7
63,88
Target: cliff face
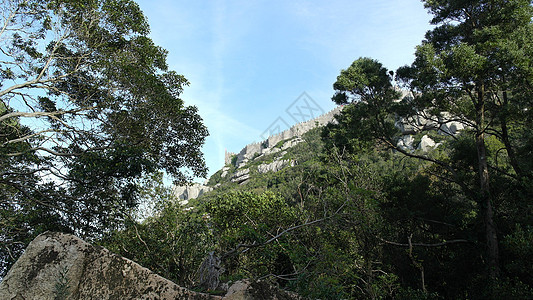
274,144
187,192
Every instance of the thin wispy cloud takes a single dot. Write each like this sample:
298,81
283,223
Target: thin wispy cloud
247,61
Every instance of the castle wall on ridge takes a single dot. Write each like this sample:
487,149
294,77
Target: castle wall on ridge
297,130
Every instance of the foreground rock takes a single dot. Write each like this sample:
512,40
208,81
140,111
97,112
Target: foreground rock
253,290
62,266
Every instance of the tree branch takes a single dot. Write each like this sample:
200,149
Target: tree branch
52,114
423,244
255,245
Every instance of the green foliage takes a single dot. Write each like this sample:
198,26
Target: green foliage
234,160
245,219
356,217
518,246
101,112
173,242
473,188
280,144
366,86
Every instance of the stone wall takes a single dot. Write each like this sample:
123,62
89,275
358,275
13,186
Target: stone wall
251,150
187,192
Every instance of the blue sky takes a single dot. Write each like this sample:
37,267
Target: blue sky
248,61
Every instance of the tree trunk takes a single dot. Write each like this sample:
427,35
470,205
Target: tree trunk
484,191
505,138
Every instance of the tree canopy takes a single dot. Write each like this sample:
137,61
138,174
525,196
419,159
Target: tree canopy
473,68
88,108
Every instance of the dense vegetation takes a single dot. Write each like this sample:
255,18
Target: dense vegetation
366,225
357,216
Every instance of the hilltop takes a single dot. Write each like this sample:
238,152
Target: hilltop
269,155
276,152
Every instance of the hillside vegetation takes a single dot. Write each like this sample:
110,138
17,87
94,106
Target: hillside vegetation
334,225
355,213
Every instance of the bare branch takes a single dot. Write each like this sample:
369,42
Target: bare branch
423,244
255,245
29,136
9,18
22,173
30,197
51,114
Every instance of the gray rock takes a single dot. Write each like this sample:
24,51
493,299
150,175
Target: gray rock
188,192
406,142
241,176
252,290
426,144
291,143
224,172
266,147
452,128
274,166
268,151
59,265
62,266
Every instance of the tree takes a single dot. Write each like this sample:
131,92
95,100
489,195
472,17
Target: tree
367,85
476,65
473,68
88,106
245,221
172,241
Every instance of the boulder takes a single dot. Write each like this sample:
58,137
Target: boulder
62,266
252,290
241,176
426,143
274,166
224,172
406,142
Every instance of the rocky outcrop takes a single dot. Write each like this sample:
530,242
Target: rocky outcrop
225,171
274,166
424,121
406,142
299,129
62,266
411,128
241,176
443,124
188,192
426,144
267,146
